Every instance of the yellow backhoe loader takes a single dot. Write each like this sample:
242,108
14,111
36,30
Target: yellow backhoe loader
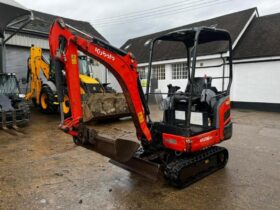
41,89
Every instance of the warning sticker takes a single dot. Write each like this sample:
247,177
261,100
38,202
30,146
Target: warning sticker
74,59
140,117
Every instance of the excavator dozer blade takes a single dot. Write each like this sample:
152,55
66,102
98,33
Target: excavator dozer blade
117,149
122,152
140,166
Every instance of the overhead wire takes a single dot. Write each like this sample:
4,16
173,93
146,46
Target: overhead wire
136,13
162,14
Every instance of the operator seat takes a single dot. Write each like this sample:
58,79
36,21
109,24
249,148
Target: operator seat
198,85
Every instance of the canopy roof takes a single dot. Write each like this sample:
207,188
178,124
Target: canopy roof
9,11
206,34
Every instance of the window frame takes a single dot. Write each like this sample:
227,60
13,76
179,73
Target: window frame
179,71
159,72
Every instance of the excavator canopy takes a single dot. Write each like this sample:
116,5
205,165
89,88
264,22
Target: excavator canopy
187,36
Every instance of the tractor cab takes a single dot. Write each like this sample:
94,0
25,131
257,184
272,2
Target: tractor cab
14,111
201,107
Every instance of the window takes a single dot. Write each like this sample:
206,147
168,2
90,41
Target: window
179,71
159,72
142,73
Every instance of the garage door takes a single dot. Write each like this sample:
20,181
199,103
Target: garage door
16,61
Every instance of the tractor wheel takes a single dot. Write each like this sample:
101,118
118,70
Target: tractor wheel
47,100
66,106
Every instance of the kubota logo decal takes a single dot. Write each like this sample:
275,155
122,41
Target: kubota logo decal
170,141
207,138
104,54
140,117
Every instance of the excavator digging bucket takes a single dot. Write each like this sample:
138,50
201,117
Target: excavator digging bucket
100,106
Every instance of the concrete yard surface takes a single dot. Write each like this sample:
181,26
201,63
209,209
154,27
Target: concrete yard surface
41,168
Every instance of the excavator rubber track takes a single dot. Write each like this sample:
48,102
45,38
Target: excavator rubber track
183,172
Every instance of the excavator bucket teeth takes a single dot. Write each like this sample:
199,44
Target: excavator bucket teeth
103,106
140,166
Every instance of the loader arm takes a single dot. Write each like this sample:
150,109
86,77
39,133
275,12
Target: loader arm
36,64
64,46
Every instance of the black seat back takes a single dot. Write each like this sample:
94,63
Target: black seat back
198,86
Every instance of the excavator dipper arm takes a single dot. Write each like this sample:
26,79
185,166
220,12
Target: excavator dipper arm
64,46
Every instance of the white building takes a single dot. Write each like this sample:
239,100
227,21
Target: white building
256,54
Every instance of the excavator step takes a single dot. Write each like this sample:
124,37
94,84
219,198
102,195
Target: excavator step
183,172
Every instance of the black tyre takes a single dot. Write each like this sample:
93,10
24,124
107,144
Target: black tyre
47,100
34,102
66,106
77,141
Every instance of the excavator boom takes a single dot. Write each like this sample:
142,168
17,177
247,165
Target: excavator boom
64,46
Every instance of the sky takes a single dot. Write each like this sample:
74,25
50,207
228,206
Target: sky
119,21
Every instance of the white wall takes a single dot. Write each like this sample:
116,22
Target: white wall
26,40
99,71
252,82
162,84
105,76
113,82
256,82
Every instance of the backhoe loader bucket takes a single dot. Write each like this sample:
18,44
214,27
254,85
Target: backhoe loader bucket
104,106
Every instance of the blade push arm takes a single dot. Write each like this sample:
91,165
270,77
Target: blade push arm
64,46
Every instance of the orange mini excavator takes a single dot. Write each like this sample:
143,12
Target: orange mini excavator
184,151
